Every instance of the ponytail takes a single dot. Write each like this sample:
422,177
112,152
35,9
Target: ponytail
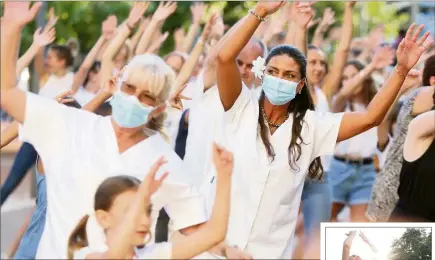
78,238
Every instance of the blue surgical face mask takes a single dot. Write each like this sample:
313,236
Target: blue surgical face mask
127,111
279,91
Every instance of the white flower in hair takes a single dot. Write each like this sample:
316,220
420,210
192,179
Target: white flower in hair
258,67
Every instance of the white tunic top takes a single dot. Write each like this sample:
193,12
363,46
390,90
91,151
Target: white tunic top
266,195
57,85
363,145
82,96
79,150
156,251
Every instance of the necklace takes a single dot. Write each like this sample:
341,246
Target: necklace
270,123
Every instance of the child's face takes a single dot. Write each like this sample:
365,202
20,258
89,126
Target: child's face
111,219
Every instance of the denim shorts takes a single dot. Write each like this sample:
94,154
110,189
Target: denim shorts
351,183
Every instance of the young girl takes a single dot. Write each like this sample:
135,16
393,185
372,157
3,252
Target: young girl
122,209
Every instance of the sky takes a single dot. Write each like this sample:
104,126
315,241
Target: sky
382,238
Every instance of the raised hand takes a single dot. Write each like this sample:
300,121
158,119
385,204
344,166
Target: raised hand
351,234
175,99
218,28
383,57
108,27
411,48
198,11
206,32
315,21
156,44
328,18
301,13
45,37
150,183
19,13
222,160
164,11
268,8
136,13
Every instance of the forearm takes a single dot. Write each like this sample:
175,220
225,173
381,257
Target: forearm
239,37
80,75
290,37
97,101
300,39
147,35
116,43
189,65
27,58
386,96
136,37
9,134
188,41
10,34
318,35
347,30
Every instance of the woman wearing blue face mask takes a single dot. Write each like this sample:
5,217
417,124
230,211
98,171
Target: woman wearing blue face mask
80,149
277,141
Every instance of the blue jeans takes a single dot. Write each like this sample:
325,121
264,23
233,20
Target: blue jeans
316,204
24,160
351,184
30,240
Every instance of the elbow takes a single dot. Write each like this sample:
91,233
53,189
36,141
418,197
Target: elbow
223,57
373,120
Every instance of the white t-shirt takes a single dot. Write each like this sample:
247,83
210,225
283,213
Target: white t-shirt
362,145
79,150
57,85
266,195
155,251
82,96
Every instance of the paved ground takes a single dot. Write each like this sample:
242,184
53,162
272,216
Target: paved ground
17,207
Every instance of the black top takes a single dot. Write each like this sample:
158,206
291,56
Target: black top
417,185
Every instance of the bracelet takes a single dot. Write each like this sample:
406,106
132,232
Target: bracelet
257,16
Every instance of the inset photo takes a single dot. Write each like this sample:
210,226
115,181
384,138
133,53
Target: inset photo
380,241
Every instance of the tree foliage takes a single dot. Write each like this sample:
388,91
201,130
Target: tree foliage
82,19
414,244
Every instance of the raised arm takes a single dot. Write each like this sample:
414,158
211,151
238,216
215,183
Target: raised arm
332,79
409,51
301,15
160,15
214,230
423,126
107,63
190,64
382,58
198,12
228,77
327,20
80,75
367,241
347,245
138,34
41,38
16,16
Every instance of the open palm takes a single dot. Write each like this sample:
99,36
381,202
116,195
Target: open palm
302,13
164,11
383,57
137,12
411,48
20,13
150,182
270,7
45,37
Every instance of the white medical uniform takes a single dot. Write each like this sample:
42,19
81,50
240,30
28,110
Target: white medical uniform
79,150
266,195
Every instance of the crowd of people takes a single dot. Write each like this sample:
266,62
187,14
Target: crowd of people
236,144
